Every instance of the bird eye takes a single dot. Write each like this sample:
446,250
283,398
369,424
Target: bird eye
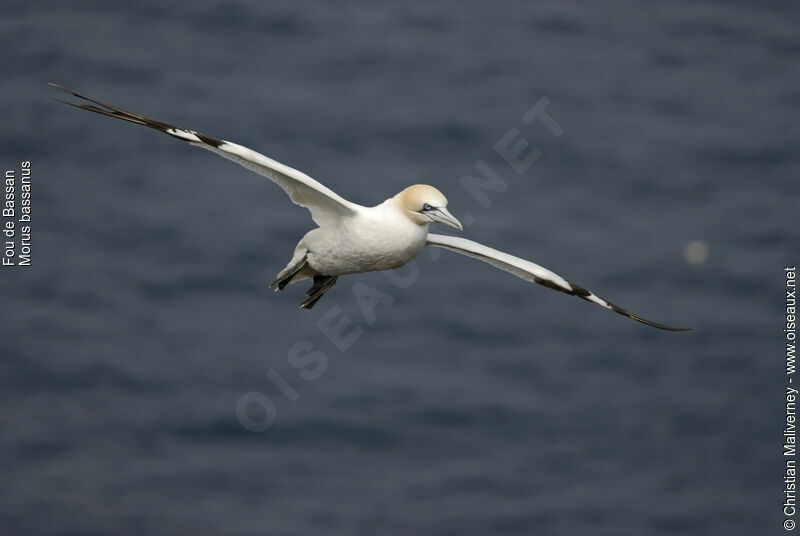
426,206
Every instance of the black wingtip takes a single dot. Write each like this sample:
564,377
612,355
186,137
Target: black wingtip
62,88
625,312
656,324
587,295
632,316
118,113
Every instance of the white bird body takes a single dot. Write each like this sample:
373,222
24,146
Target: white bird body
352,238
374,238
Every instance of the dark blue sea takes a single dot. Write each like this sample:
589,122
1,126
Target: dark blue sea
142,346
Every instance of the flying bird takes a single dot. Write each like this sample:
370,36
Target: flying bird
351,238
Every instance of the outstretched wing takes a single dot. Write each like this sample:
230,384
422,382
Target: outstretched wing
326,206
531,272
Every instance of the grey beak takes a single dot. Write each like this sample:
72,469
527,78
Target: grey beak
441,215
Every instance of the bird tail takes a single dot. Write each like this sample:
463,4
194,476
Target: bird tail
295,271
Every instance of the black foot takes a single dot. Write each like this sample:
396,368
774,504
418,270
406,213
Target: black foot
322,283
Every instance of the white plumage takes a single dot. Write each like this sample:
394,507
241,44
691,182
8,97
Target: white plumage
351,238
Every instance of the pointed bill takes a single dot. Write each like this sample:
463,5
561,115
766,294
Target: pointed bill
441,215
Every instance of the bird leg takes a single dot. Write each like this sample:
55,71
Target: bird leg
322,283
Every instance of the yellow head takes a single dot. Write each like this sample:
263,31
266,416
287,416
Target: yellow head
425,204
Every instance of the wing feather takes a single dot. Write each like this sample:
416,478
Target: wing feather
531,272
325,205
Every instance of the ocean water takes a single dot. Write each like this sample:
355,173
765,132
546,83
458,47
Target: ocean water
473,403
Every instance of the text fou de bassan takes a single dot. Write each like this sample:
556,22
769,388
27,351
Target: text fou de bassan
16,221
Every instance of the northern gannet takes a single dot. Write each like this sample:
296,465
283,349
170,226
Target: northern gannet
351,238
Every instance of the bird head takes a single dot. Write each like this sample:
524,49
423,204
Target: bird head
425,204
